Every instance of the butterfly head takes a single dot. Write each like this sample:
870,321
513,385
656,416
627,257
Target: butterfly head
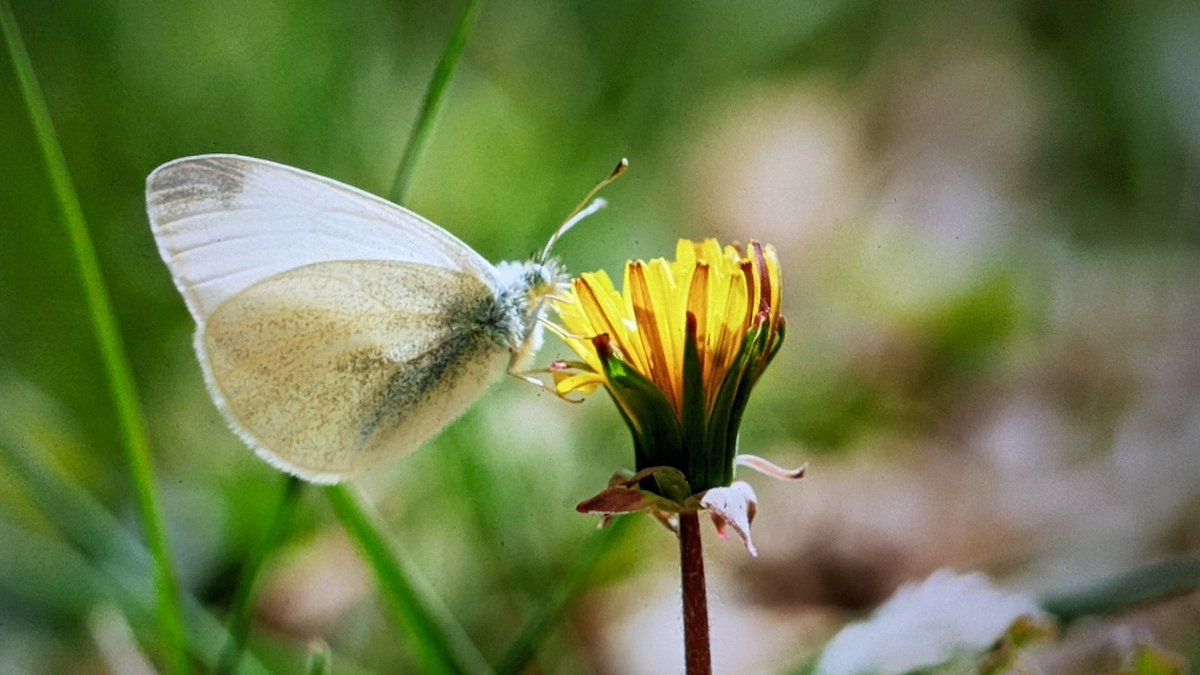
521,292
523,287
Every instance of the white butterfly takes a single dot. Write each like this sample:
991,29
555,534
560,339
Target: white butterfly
336,329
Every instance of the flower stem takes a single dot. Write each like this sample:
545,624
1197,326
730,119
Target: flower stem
695,596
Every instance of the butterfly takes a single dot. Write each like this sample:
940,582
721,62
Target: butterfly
335,329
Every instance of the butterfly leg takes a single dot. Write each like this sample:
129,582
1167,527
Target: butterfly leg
527,376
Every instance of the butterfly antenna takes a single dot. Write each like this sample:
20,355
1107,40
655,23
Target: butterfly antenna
586,207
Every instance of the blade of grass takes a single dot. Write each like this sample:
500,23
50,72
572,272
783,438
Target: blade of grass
121,385
465,466
247,586
115,643
559,599
319,659
208,635
439,643
436,641
39,570
1124,591
115,559
433,100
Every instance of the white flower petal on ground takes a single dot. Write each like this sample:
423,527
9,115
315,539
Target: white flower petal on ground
926,623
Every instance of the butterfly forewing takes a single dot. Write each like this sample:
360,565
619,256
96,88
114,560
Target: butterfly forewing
226,222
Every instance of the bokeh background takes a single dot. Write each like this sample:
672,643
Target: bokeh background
988,217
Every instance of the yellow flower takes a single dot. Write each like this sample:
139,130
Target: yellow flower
679,349
726,292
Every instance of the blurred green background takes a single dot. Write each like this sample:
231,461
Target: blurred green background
988,217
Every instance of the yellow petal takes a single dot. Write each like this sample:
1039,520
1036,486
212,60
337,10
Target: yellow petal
584,383
656,345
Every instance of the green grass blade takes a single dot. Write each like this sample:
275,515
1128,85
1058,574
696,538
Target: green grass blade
116,366
116,563
1127,590
433,100
247,587
319,660
437,643
208,635
547,616
45,573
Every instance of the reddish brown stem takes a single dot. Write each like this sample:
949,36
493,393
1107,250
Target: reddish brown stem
695,596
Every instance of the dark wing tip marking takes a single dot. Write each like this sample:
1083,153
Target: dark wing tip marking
176,188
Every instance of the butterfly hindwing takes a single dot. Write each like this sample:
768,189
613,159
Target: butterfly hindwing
334,366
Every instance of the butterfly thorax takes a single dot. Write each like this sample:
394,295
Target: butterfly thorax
521,292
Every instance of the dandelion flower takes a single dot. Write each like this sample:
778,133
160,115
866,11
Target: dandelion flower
679,349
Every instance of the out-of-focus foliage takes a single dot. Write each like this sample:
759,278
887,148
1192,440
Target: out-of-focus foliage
988,219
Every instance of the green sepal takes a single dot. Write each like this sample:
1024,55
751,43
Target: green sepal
673,483
754,346
723,420
704,464
773,346
623,494
657,437
615,501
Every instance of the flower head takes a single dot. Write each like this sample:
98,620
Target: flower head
679,348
